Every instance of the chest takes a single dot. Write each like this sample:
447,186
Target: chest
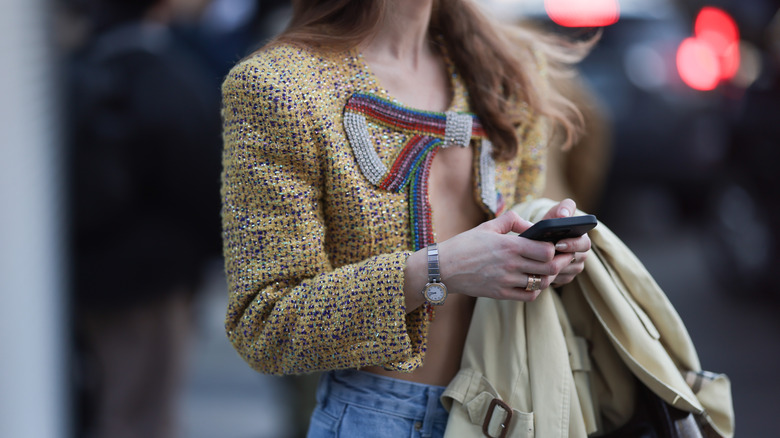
454,205
390,184
399,179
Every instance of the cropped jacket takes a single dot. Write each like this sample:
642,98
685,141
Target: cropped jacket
323,199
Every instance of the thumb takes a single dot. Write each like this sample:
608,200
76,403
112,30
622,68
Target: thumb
565,208
509,221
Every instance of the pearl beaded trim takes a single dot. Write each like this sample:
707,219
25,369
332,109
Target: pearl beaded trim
365,154
457,129
487,172
428,132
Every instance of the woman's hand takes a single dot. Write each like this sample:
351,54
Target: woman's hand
487,262
574,250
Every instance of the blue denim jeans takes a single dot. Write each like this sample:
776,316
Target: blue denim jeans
354,403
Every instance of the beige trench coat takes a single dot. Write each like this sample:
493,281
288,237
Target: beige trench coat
564,365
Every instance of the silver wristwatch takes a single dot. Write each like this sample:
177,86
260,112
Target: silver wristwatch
435,291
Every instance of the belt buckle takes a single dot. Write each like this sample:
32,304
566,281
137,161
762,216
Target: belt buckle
489,416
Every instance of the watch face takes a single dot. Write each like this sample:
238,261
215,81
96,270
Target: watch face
435,293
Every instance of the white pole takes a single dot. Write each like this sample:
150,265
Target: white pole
33,389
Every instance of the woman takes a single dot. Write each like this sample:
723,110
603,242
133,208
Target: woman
370,152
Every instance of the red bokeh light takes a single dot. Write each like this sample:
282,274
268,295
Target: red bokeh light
712,54
717,28
583,13
729,61
698,64
720,31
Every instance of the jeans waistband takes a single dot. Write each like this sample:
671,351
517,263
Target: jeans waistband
407,399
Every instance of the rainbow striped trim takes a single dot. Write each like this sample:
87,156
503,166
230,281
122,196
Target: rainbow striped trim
389,114
428,132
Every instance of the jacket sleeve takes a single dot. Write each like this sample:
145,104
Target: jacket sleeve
290,311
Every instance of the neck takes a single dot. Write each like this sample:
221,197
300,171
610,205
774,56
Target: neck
402,35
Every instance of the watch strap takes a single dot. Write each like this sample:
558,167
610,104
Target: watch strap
434,275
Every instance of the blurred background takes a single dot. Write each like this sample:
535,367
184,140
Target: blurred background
682,100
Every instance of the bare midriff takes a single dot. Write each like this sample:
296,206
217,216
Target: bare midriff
454,210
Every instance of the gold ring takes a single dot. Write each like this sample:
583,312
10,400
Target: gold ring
534,283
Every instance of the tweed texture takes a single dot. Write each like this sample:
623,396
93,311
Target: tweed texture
314,252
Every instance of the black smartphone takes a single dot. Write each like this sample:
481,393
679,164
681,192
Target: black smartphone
553,230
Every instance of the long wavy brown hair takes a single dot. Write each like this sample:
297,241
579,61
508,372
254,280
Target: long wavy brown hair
500,64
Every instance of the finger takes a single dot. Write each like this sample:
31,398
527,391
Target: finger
562,280
568,263
509,221
519,277
537,251
575,265
526,282
520,294
565,277
565,208
533,283
577,244
569,272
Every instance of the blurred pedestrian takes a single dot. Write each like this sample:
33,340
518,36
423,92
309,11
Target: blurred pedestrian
144,151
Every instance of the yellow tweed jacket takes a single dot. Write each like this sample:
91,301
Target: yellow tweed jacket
314,251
